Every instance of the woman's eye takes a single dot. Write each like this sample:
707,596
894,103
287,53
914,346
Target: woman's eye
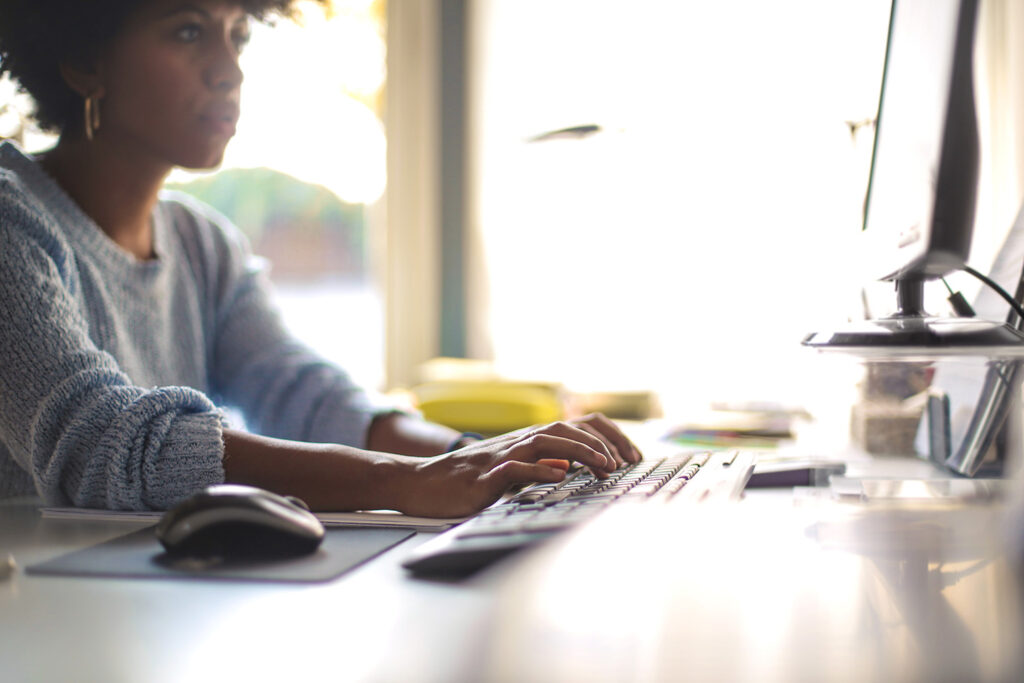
189,33
241,40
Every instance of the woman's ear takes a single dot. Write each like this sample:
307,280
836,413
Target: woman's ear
83,80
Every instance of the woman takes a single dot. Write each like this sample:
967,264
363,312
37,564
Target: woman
130,313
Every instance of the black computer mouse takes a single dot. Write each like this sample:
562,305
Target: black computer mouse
231,521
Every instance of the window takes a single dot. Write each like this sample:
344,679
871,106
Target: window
692,243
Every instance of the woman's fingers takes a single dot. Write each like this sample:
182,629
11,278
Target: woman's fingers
612,435
619,461
571,431
564,443
609,438
518,472
553,462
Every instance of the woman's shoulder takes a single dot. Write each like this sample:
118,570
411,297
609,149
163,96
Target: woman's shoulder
32,244
27,211
19,187
14,195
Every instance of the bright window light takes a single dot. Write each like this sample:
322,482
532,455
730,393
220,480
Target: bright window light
692,243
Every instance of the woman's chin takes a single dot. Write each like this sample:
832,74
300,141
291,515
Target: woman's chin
205,156
202,164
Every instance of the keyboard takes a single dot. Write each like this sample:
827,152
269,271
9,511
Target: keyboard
540,511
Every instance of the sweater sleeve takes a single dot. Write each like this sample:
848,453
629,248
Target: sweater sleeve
68,416
283,389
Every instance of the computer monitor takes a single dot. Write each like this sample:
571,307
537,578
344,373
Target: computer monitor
919,212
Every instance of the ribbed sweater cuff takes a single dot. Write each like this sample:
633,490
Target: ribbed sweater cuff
190,458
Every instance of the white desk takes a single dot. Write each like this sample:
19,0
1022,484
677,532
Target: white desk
373,624
762,591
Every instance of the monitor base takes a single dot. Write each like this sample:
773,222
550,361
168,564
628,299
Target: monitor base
925,336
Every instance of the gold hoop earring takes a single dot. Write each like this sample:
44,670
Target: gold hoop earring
92,117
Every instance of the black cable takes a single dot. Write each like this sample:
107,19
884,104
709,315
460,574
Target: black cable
960,305
1017,308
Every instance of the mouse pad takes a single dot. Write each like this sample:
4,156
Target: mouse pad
140,555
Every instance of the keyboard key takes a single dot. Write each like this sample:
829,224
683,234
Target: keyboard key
545,525
675,485
492,530
644,489
532,497
557,497
605,496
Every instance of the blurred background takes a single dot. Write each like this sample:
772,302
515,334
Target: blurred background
650,198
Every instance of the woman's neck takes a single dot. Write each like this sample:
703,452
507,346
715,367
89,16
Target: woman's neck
115,190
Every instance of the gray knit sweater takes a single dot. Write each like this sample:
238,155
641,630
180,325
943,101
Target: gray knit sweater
111,369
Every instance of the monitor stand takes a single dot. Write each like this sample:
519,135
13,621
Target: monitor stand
912,332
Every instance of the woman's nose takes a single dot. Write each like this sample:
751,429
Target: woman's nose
223,71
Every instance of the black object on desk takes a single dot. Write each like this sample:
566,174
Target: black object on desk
239,523
786,474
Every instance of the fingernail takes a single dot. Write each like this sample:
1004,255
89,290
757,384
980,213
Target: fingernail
556,463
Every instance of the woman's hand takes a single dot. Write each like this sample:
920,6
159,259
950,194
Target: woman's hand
622,449
465,481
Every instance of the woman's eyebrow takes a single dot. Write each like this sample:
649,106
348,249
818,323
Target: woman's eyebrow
185,8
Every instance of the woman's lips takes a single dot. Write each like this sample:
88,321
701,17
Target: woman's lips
221,118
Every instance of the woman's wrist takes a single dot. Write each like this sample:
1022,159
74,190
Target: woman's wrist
406,478
462,440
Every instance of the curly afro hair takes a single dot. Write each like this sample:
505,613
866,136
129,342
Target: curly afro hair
36,36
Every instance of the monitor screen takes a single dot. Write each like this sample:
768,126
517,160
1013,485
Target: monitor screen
919,213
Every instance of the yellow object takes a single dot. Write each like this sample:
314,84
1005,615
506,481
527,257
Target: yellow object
487,406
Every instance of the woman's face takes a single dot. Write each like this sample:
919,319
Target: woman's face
170,82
